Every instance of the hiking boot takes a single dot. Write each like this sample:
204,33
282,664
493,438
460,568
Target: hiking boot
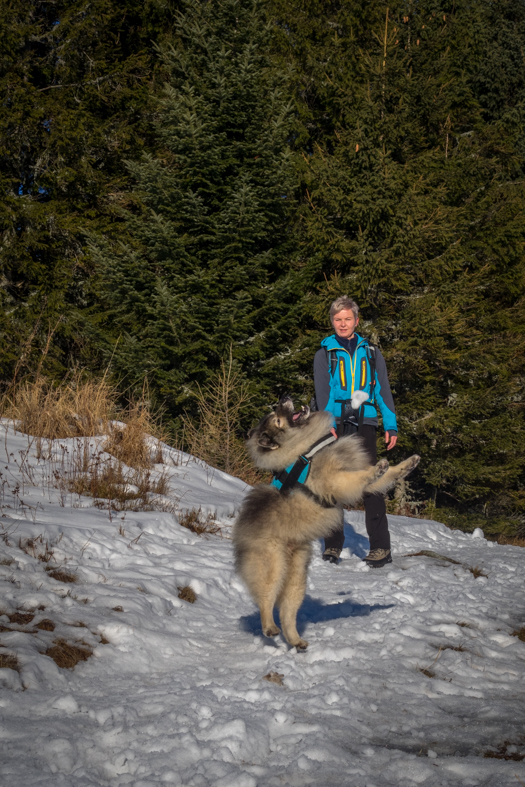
332,555
377,558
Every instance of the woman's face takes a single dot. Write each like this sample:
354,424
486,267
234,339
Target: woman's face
345,323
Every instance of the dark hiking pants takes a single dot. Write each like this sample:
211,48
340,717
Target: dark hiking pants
375,508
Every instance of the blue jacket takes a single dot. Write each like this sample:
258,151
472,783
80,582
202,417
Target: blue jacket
353,373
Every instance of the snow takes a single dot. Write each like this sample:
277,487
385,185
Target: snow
175,692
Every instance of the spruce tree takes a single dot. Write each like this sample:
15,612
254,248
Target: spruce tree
207,247
75,79
412,205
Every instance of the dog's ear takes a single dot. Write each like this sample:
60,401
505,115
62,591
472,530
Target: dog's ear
265,441
250,433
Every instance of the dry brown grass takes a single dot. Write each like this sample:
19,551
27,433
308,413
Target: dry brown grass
129,442
21,618
474,570
519,633
187,593
76,408
61,575
427,672
505,751
67,656
198,523
436,555
8,661
46,625
515,541
36,547
274,677
116,487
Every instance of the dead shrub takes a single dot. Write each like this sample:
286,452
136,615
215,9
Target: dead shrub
46,625
76,408
35,547
61,575
8,661
216,438
67,656
198,523
187,594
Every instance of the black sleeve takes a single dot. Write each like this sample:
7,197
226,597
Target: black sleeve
321,379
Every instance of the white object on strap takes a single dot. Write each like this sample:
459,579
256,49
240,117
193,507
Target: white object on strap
358,398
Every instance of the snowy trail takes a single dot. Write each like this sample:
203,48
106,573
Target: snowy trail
177,694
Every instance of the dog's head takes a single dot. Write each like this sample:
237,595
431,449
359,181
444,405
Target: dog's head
273,430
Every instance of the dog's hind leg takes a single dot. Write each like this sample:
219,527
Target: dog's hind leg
263,571
292,594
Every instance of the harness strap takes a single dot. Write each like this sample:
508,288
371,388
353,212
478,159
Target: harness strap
291,478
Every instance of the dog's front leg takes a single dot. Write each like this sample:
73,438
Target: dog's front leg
394,474
348,487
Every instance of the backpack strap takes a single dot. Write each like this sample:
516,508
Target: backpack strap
371,354
331,357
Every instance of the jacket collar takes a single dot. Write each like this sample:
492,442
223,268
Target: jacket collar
331,343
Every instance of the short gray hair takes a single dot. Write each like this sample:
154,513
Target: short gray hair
343,302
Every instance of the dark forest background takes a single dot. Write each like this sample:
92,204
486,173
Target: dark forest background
184,179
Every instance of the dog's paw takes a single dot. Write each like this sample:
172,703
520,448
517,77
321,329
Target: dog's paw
302,644
381,468
409,464
271,631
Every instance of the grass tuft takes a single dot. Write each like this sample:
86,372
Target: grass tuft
77,408
506,751
198,523
428,672
8,661
46,625
429,553
187,594
117,488
67,656
21,618
476,571
129,442
520,634
61,575
274,677
35,547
